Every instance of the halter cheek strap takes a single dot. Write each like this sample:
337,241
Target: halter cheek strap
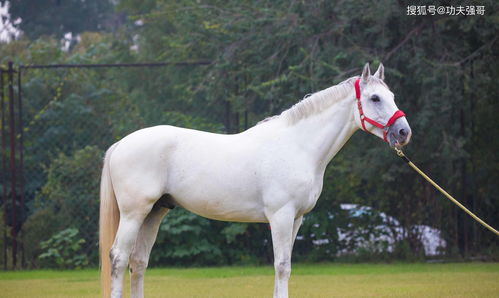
364,118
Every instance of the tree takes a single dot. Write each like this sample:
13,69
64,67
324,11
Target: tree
266,56
57,18
67,200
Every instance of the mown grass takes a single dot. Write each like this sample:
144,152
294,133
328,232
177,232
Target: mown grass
314,280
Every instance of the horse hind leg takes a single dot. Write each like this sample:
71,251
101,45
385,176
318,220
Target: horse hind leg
126,236
140,254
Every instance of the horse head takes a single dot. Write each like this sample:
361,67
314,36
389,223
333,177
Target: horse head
376,110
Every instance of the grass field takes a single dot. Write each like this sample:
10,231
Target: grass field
317,280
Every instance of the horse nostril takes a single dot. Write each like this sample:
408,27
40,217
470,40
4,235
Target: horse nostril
402,132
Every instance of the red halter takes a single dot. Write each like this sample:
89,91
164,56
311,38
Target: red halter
363,117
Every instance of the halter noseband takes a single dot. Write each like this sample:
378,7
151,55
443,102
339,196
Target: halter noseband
363,117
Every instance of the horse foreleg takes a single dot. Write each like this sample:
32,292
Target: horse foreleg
140,255
296,227
281,224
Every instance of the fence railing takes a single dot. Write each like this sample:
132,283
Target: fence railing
23,181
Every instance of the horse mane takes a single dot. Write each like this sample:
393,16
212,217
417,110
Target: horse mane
319,101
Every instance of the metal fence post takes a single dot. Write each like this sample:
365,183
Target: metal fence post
12,139
21,159
13,133
4,167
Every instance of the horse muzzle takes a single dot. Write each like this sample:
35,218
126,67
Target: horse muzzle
399,134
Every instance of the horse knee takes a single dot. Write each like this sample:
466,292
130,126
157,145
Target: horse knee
283,269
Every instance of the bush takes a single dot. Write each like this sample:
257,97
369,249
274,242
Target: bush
64,250
69,199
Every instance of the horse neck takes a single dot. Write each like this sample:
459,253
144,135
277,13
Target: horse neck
322,135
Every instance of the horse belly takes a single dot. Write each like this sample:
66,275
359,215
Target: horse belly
222,209
215,182
214,197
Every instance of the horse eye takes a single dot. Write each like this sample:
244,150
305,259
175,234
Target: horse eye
375,98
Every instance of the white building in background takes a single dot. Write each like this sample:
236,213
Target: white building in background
384,236
389,232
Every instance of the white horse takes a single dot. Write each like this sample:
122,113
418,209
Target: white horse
272,173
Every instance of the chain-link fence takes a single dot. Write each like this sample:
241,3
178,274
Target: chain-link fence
66,119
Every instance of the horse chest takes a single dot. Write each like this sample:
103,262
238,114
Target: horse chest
299,188
311,197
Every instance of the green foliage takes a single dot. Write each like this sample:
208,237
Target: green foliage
64,250
68,199
53,17
190,240
266,56
183,240
231,231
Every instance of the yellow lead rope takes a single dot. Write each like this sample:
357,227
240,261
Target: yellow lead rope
402,155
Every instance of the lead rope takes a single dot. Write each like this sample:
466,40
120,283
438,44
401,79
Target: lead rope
402,155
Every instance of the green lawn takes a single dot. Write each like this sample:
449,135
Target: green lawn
318,280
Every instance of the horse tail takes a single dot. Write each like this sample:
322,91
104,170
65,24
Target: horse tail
109,217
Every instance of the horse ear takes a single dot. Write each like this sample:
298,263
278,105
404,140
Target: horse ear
380,73
366,73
